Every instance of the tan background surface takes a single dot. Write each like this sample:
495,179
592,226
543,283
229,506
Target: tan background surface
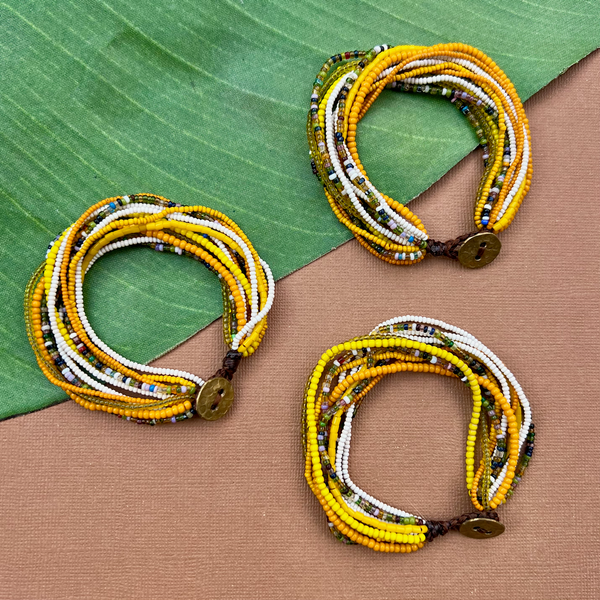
92,507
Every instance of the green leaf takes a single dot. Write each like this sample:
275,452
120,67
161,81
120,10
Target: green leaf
205,103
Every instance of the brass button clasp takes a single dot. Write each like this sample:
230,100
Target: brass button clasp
479,250
214,398
481,528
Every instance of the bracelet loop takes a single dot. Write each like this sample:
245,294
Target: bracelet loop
500,419
73,357
344,90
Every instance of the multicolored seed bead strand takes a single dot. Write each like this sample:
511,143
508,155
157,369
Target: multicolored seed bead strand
344,90
73,357
340,382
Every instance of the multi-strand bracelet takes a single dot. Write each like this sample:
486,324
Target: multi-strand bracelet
73,357
500,426
346,87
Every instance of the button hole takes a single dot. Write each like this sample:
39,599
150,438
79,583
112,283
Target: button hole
220,394
481,250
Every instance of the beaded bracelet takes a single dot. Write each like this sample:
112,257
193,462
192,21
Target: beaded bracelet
346,87
339,383
73,357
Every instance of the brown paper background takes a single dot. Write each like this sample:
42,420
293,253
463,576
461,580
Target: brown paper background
92,507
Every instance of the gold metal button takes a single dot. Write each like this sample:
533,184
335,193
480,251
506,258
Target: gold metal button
479,250
214,398
481,528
